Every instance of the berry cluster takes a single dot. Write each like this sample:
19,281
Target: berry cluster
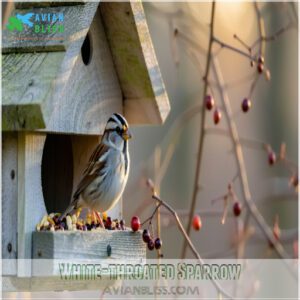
151,243
260,64
157,243
53,222
209,104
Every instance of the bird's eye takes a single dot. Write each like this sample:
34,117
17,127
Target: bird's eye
118,130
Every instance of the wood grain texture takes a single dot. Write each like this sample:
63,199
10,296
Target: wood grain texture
77,19
26,83
136,63
68,96
126,245
9,200
31,206
38,3
85,96
38,284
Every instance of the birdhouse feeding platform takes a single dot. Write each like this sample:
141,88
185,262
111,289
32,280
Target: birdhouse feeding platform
66,67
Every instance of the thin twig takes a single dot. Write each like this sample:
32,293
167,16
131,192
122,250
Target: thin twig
261,30
189,242
229,47
242,169
202,124
274,36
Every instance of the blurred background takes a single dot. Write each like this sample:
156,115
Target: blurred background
272,119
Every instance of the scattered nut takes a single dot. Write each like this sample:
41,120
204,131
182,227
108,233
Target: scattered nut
53,222
69,223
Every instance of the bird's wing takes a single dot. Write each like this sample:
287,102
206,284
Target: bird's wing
92,170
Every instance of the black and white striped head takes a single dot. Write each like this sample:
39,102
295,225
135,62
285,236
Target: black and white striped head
117,126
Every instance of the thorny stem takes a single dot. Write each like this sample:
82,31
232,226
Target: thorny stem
261,30
224,45
252,208
152,215
201,139
274,36
189,242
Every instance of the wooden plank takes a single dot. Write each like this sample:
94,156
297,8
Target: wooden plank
30,4
126,245
9,201
31,205
26,83
136,63
91,93
58,92
77,20
39,284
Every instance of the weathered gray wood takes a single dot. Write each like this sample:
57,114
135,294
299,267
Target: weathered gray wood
57,91
146,100
89,93
126,246
29,4
9,200
26,83
36,284
77,20
31,205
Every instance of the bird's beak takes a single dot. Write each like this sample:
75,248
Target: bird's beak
126,135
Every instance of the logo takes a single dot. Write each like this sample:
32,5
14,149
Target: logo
38,23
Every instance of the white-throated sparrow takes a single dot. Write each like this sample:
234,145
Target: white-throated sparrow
103,181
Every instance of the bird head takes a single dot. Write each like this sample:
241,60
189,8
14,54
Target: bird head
117,126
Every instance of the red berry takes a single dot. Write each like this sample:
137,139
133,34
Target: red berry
150,245
209,102
197,224
272,158
261,60
217,116
237,208
158,243
135,223
260,67
146,235
246,105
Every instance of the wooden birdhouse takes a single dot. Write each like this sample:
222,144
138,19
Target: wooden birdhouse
66,67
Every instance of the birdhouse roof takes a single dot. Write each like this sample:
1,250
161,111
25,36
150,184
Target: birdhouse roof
47,87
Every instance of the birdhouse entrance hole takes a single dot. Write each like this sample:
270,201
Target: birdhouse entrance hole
57,172
86,50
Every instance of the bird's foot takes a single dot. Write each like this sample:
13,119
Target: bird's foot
78,212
